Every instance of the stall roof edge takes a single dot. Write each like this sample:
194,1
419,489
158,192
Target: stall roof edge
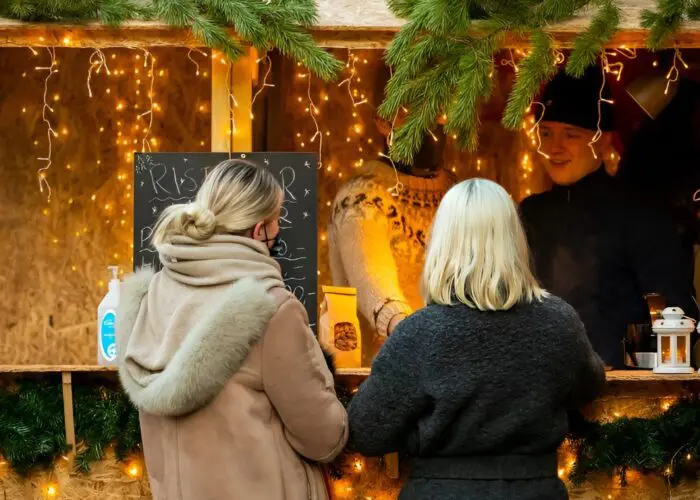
359,24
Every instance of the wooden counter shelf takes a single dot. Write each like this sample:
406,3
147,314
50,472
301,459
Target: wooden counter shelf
56,368
612,376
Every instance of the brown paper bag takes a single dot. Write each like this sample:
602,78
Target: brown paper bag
340,327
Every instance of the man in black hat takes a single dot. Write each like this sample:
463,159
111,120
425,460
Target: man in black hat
596,245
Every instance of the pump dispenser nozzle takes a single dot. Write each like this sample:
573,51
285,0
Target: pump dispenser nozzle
114,282
115,272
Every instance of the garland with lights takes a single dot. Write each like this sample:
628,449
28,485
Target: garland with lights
32,429
443,58
662,445
32,434
261,23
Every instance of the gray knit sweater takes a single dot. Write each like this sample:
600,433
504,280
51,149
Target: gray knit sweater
478,397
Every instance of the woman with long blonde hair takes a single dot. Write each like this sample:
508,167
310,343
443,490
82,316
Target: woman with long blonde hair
476,385
234,395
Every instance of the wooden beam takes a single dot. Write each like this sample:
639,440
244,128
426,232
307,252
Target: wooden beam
391,465
357,24
611,376
56,368
242,88
231,79
68,417
220,105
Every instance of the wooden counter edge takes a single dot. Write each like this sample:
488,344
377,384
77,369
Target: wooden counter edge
612,376
56,368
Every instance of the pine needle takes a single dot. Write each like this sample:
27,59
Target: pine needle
663,22
265,25
589,44
535,69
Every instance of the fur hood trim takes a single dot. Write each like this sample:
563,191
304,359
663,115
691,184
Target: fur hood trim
210,354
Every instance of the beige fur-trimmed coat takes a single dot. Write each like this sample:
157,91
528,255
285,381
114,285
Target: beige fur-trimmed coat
235,398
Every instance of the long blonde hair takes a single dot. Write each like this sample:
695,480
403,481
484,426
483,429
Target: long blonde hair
478,253
235,196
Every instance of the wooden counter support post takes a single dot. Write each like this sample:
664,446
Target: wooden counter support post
68,417
231,80
391,465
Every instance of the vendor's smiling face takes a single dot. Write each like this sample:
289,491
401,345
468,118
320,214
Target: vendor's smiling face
569,156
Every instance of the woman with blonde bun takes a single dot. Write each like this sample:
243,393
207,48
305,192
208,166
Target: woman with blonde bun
234,395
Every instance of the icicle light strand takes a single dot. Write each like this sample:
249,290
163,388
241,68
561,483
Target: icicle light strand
313,111
50,132
97,62
264,83
350,65
145,143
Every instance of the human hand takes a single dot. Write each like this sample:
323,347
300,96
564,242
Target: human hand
394,323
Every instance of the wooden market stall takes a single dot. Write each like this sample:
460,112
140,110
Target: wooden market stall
348,27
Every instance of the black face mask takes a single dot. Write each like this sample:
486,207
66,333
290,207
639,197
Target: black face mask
277,247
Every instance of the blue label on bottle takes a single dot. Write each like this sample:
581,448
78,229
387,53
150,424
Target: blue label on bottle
108,339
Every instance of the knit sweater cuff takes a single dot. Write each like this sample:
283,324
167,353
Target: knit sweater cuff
386,311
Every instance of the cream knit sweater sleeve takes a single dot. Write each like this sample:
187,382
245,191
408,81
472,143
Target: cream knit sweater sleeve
361,233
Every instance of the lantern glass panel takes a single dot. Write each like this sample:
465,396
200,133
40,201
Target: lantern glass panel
665,349
681,350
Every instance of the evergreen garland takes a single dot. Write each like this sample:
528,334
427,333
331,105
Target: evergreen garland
658,445
32,433
443,57
32,429
282,24
665,21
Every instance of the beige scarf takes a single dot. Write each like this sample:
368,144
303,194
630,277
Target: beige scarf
220,259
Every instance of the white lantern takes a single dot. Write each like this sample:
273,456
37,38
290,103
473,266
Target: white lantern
673,341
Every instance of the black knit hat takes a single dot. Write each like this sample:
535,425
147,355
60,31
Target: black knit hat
575,101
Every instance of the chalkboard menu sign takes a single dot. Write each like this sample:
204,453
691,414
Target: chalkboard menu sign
162,179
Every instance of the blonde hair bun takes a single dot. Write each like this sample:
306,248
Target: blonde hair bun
235,196
197,222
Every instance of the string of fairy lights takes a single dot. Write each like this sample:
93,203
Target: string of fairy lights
133,469
50,132
344,488
133,130
567,459
129,136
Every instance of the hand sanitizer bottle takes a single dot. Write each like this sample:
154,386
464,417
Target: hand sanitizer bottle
106,319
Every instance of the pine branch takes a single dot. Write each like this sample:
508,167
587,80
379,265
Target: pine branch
402,8
402,43
442,17
20,9
535,69
243,16
292,41
663,22
429,95
474,86
553,11
694,10
511,15
115,12
412,59
590,43
177,13
301,12
214,36
435,28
